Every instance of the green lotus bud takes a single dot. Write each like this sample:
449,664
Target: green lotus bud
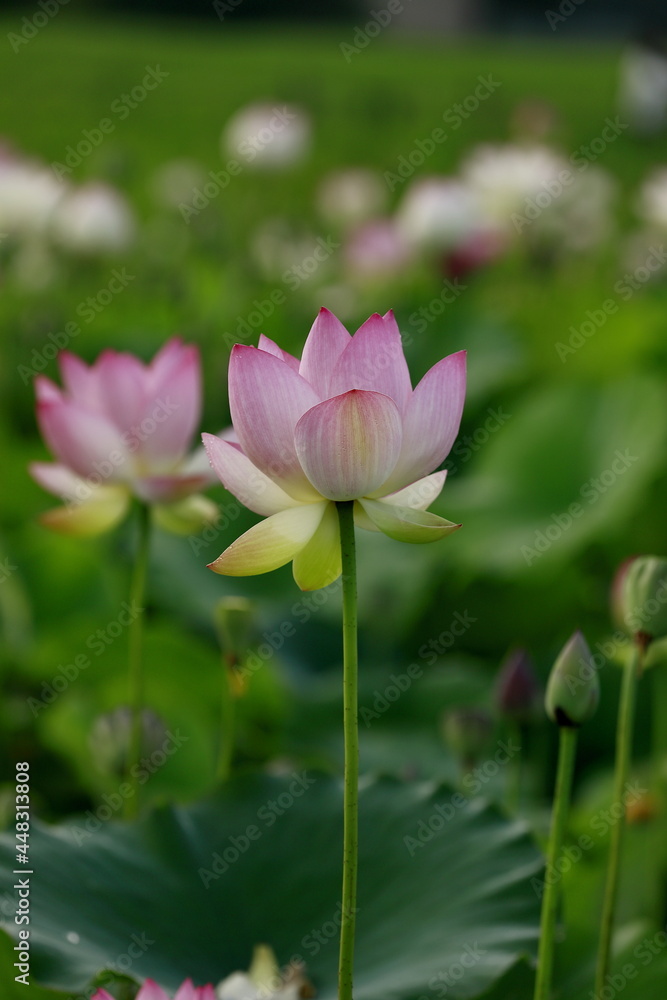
467,732
643,598
573,689
233,618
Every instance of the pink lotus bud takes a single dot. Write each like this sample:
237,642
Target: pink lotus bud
517,687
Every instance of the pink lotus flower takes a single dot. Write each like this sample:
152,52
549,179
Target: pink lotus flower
120,428
151,991
341,424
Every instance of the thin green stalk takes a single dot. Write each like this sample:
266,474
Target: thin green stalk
626,715
657,851
351,732
226,744
566,755
135,658
515,772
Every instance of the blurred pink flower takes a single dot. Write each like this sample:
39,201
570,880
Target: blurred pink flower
343,423
151,991
119,428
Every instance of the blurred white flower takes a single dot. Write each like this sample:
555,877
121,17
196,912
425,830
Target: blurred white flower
265,981
377,250
29,193
439,213
643,88
581,217
348,197
504,177
652,203
270,136
93,218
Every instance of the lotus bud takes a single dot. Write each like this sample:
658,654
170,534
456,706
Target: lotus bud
642,599
573,689
517,687
466,732
233,620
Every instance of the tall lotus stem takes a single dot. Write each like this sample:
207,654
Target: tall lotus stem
135,658
351,739
624,731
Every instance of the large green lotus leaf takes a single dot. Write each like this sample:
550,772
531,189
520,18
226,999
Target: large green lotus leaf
462,901
568,463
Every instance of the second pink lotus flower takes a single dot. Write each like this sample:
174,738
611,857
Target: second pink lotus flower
343,423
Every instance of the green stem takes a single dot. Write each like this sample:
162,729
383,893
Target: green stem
226,745
626,714
566,754
135,659
515,774
657,851
351,731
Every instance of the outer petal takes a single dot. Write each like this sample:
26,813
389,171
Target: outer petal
102,995
349,444
431,421
319,563
59,480
271,543
374,360
47,391
81,439
326,341
151,991
270,346
419,495
405,524
238,475
266,398
107,506
172,407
